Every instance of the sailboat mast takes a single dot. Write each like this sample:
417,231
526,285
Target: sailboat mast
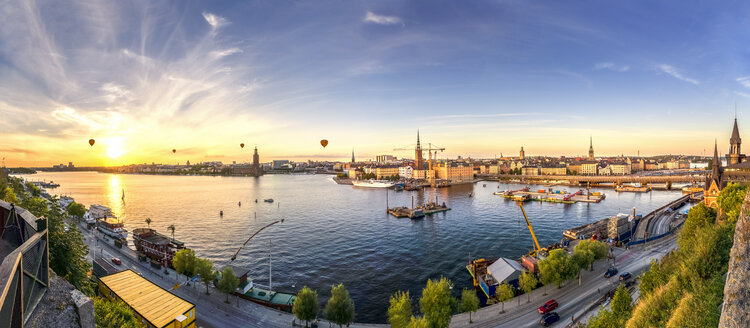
270,287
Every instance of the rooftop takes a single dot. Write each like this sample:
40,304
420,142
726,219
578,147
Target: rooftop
152,302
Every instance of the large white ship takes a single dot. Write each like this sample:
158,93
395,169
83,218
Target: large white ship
106,222
373,183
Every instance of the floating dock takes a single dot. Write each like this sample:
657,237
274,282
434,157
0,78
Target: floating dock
542,195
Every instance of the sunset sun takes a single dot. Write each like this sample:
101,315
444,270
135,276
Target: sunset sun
115,149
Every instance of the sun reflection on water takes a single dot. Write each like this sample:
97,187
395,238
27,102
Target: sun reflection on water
115,195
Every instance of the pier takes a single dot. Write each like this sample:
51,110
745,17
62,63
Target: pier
542,195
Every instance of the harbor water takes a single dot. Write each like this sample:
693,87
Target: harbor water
338,233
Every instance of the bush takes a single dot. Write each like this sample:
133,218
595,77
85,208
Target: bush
110,314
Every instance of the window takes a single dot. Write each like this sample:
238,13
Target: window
190,315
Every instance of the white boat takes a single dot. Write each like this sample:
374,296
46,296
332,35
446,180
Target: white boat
373,183
112,226
95,212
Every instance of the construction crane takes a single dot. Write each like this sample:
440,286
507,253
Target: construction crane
537,249
432,155
253,235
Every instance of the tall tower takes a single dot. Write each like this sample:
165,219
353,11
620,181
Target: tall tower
522,154
352,155
256,163
734,145
418,154
591,148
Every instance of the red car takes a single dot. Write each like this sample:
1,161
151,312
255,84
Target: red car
116,261
547,307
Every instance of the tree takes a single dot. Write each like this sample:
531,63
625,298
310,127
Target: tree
205,269
528,282
184,262
557,267
621,302
340,307
399,311
437,303
420,322
171,227
228,282
76,210
504,293
306,305
108,314
148,223
469,302
730,201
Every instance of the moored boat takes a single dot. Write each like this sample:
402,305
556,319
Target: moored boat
373,183
112,226
156,246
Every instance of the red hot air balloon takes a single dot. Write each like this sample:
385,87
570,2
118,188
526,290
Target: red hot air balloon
242,145
174,151
324,143
91,142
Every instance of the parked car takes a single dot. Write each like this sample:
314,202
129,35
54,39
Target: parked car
625,276
547,307
549,319
116,261
610,272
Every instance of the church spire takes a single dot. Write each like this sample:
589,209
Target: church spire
352,155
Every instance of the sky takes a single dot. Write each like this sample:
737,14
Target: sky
480,78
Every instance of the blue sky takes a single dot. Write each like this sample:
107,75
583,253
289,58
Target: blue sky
480,78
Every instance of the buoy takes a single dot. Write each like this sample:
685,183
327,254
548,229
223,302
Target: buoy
221,213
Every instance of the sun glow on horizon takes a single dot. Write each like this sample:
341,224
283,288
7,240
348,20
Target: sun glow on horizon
116,148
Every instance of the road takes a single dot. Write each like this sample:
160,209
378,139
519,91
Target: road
573,299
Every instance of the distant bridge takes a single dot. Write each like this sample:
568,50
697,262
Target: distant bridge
614,179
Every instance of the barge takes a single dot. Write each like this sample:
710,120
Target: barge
256,293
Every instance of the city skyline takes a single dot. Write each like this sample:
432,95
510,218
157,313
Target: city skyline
480,79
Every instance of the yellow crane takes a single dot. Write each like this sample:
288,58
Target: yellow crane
537,248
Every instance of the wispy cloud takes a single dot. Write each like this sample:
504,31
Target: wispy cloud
226,52
676,74
612,66
745,81
742,94
214,20
371,17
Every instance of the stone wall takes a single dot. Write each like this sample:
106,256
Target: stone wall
735,310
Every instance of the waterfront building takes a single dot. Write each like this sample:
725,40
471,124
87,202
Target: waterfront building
424,174
651,166
604,169
454,172
530,170
151,304
620,168
574,167
505,270
591,148
553,169
406,172
589,168
280,164
382,172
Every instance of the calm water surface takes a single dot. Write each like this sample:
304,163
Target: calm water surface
336,233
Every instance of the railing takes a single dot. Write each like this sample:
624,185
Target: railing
24,271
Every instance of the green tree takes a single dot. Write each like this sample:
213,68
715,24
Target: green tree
184,262
730,201
205,269
437,303
340,307
418,322
7,194
306,305
399,311
76,210
654,278
469,302
557,267
228,282
527,282
621,302
148,223
504,293
108,314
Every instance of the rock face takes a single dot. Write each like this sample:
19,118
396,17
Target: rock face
63,306
734,312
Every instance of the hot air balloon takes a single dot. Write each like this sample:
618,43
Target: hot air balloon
242,145
91,142
174,151
324,143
